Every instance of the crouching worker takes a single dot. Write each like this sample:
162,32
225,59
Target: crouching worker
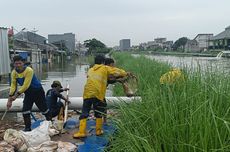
31,87
56,107
94,94
174,76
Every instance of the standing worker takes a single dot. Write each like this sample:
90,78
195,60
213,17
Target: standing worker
111,80
94,94
31,87
56,107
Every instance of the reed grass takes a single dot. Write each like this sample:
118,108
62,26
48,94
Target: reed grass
192,116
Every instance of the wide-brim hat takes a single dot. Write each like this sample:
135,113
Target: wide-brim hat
58,83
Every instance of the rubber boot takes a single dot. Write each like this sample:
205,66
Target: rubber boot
99,130
82,129
61,114
27,122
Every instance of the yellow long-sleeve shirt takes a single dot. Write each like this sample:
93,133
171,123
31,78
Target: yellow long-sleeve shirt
173,76
26,79
97,77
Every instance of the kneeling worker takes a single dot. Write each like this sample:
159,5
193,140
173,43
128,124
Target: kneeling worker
56,107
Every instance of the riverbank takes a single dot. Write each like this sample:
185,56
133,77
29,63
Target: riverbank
191,117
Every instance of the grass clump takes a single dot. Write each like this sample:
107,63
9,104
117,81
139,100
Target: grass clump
193,116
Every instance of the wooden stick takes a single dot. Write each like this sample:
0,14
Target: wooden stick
66,105
4,114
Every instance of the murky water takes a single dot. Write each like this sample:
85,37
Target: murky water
205,63
71,72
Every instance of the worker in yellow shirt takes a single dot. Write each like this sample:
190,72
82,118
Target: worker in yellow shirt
172,77
94,93
31,87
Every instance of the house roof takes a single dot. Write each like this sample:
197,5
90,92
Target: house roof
203,34
223,35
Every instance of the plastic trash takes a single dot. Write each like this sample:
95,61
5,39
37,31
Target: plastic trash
52,146
37,136
15,138
48,146
66,147
5,147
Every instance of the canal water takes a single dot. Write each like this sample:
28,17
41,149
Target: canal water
192,63
72,72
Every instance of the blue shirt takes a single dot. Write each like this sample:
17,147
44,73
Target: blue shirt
51,98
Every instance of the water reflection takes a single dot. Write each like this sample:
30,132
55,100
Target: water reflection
72,72
205,63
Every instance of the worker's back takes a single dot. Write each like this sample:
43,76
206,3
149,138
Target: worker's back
97,80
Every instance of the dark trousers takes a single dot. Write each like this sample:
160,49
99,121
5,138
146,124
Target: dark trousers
36,96
98,107
55,111
105,108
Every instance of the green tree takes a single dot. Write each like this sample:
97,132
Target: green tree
95,46
180,43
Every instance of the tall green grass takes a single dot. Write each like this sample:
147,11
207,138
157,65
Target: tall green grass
193,116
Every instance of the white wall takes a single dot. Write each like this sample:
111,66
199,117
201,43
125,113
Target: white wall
4,52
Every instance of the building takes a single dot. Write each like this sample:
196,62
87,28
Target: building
125,44
153,45
33,47
163,43
222,40
67,39
30,37
160,40
191,46
203,41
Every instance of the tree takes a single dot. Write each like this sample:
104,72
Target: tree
95,45
180,43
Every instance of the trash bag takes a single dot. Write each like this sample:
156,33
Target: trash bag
48,146
37,136
52,130
130,85
66,147
15,138
5,147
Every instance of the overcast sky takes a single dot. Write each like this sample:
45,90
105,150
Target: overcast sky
112,20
